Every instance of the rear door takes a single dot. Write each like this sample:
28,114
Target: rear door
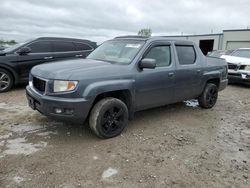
188,72
64,50
155,87
41,52
83,49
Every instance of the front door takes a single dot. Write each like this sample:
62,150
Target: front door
64,50
41,52
155,87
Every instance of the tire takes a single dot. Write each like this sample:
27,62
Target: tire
6,80
209,96
108,117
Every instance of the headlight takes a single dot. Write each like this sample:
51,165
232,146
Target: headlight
247,68
64,86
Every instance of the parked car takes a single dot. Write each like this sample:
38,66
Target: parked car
219,53
17,61
122,76
2,48
239,66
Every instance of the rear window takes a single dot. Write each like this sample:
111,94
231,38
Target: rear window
186,54
82,46
61,46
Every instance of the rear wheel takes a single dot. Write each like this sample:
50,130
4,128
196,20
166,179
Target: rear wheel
108,117
6,80
209,96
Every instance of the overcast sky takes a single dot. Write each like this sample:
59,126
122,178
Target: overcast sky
100,20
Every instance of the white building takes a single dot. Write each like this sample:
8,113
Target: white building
228,40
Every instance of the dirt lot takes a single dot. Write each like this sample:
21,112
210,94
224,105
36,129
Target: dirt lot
179,145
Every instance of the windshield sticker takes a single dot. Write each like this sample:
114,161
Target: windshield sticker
132,45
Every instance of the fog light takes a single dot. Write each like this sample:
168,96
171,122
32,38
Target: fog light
58,110
68,111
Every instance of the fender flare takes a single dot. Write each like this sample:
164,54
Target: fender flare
216,74
100,87
96,88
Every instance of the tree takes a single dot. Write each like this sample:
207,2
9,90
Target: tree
146,32
10,42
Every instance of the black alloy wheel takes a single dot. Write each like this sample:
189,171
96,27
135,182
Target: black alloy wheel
108,117
209,96
6,80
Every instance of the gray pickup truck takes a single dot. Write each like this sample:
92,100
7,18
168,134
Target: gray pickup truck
122,76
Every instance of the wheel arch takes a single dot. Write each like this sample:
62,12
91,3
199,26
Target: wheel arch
215,81
9,69
124,95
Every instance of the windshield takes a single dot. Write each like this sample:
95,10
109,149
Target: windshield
13,47
117,52
242,53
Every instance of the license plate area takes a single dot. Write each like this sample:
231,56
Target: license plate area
32,102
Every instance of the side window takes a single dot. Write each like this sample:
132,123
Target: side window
82,46
61,46
40,47
186,54
161,54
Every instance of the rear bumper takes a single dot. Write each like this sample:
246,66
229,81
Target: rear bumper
223,84
73,109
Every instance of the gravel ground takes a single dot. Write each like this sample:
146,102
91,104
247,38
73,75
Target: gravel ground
178,145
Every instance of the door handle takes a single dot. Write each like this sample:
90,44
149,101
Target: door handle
49,57
79,55
171,74
198,71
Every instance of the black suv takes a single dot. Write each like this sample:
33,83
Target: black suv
17,61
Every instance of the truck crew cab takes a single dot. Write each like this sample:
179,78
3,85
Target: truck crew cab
122,76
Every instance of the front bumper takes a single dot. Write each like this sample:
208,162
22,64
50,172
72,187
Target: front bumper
73,109
239,77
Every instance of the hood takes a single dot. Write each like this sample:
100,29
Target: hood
236,60
78,69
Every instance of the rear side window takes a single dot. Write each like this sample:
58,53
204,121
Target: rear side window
40,47
186,54
82,46
61,46
161,54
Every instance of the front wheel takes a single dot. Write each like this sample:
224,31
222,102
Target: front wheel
6,80
108,117
209,96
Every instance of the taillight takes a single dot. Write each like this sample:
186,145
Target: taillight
225,71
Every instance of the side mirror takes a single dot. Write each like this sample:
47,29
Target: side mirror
24,51
147,63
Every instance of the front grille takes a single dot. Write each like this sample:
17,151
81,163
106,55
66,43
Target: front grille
242,67
236,67
232,66
39,84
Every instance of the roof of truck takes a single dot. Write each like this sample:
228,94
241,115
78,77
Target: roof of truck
142,38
